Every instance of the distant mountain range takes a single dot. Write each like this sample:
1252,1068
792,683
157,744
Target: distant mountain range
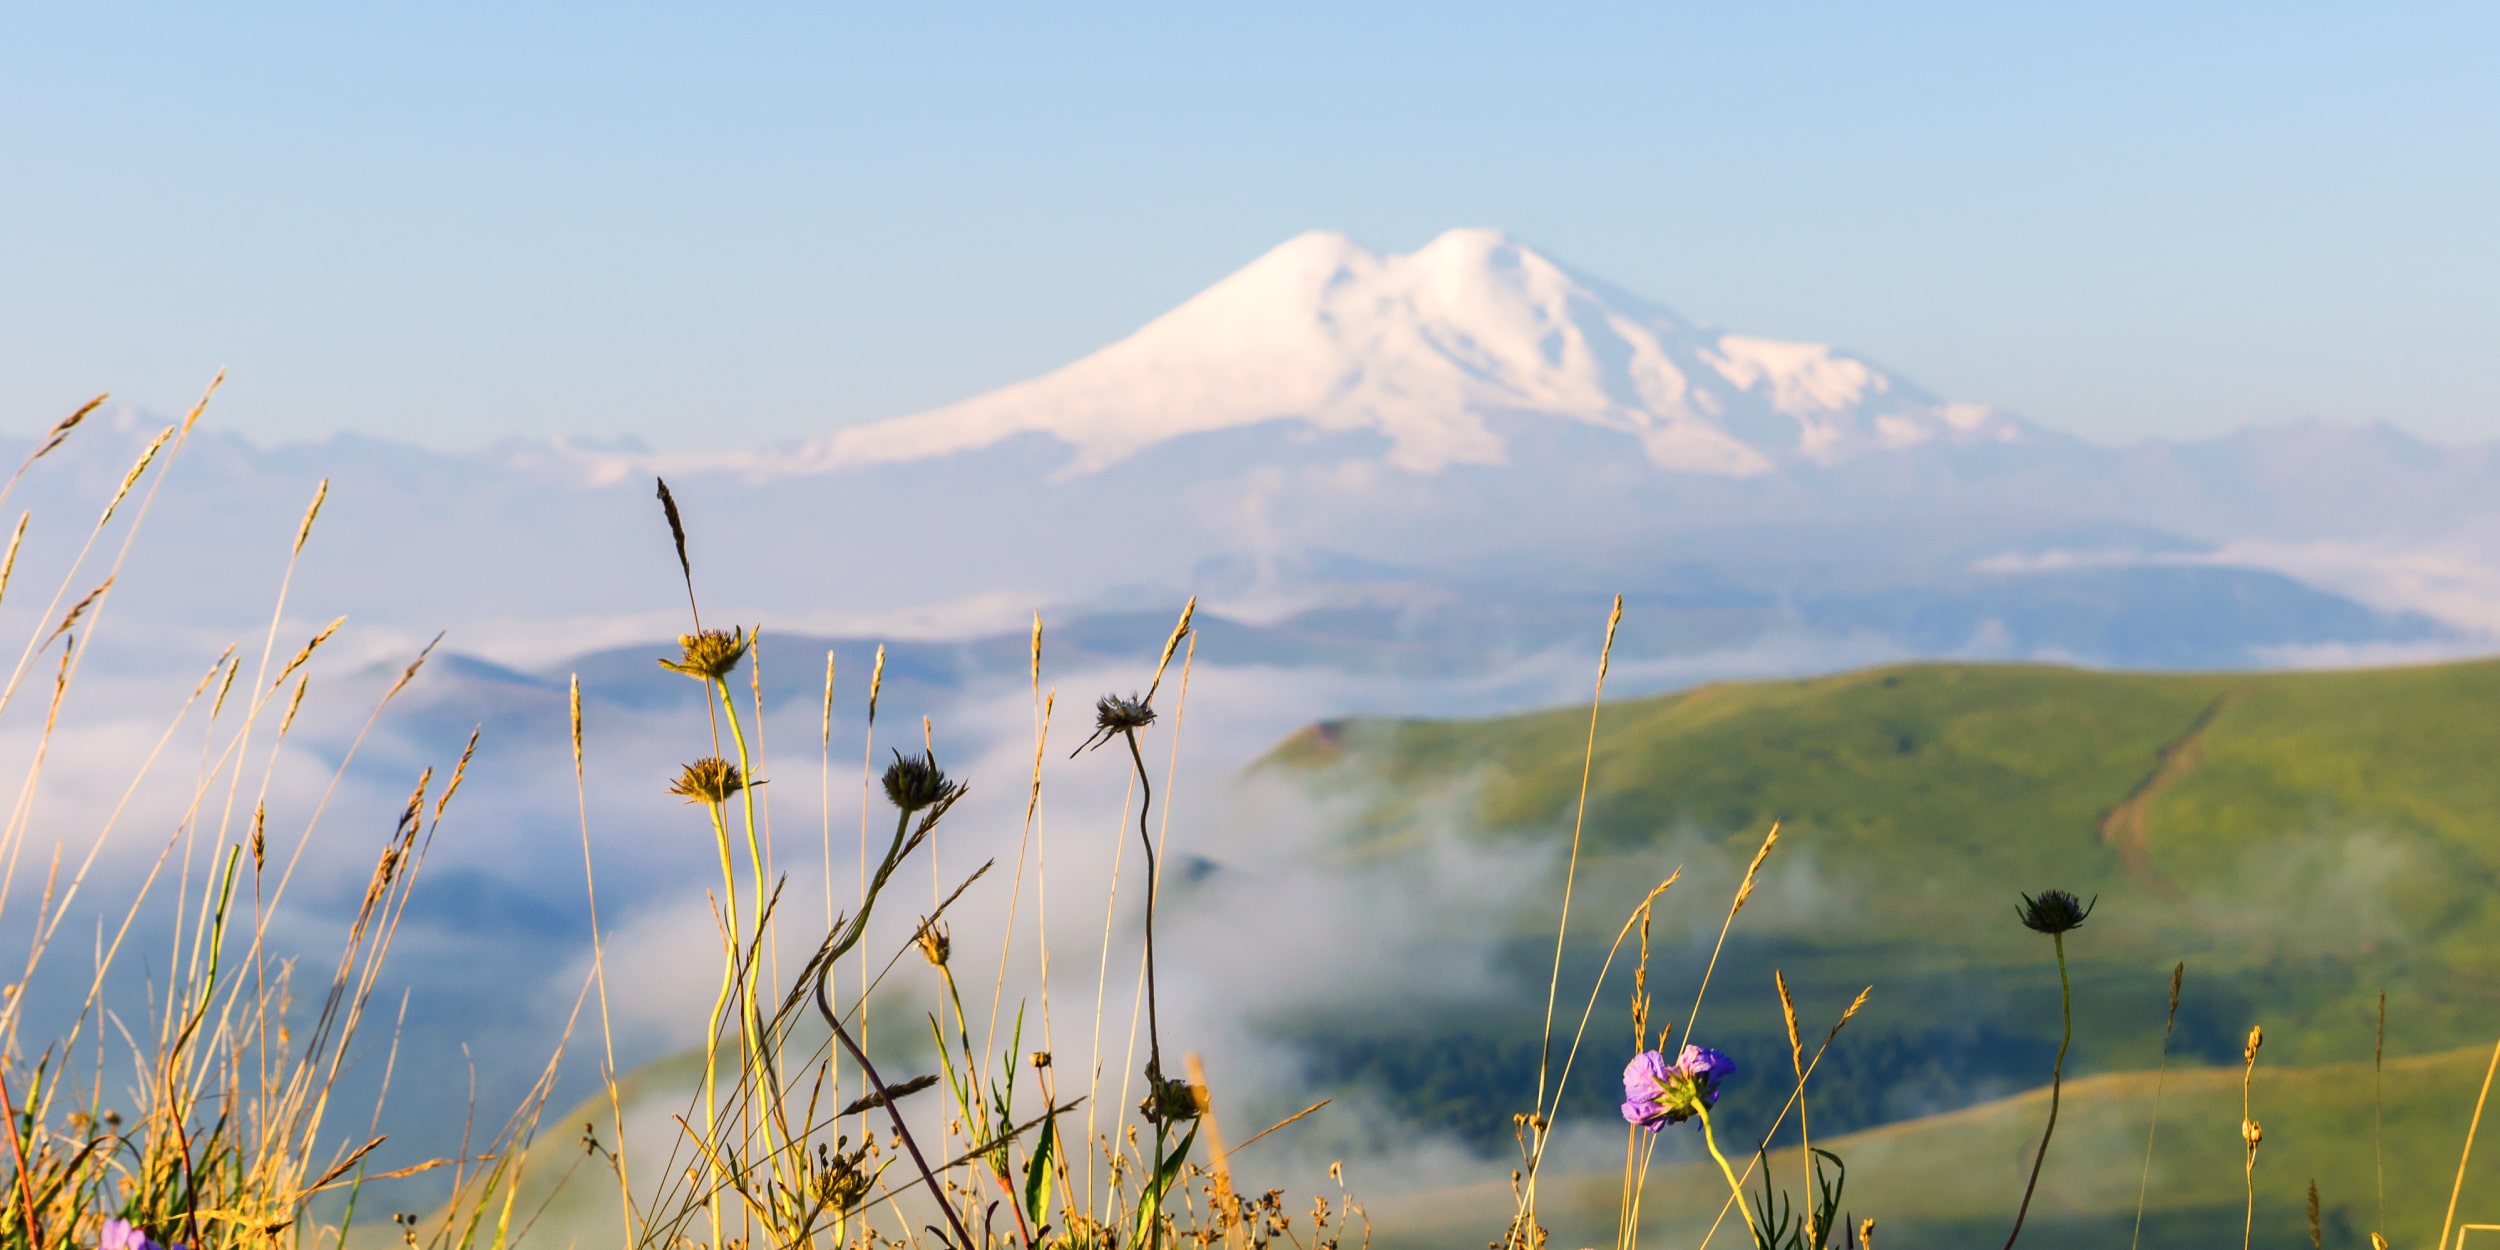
1436,440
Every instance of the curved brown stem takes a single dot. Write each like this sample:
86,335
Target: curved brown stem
963,1236
1154,1040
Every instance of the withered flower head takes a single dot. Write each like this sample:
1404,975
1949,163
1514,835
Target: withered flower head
2055,911
1113,714
1169,1101
708,780
1040,1059
708,655
2256,1039
915,782
935,946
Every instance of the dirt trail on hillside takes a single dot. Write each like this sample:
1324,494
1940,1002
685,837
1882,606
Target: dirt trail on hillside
2123,827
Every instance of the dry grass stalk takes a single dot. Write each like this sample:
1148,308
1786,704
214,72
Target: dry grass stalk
1524,1227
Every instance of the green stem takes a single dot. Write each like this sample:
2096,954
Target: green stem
1710,1138
2057,1076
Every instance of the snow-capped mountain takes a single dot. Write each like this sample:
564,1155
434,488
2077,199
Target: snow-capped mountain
1332,427
1423,349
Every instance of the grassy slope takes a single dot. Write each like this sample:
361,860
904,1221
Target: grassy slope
2299,839
1954,1179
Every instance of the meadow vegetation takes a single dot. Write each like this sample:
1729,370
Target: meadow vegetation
2020,844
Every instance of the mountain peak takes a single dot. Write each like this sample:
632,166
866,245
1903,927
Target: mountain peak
1423,348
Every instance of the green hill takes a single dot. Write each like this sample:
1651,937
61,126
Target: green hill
1954,1179
2300,840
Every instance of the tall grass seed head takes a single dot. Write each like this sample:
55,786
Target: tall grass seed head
915,782
2054,912
708,780
2256,1039
708,655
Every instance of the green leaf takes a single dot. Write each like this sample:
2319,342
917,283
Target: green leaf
1037,1175
1150,1203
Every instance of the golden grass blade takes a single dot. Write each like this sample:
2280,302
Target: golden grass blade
1744,891
1571,871
2449,1221
1255,1138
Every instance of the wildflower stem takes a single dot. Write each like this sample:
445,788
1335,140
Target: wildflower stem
963,1237
2057,1076
1710,1138
1145,787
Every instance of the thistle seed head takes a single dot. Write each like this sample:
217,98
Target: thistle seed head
708,655
915,783
708,780
2054,911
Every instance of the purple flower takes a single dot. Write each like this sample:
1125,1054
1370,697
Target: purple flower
124,1235
1657,1093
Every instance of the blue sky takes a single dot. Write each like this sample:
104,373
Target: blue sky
451,223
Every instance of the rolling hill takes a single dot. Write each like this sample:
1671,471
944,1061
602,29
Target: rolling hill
2299,840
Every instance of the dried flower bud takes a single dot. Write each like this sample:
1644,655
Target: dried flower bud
915,782
1040,1059
1114,716
708,780
2256,1038
934,944
2054,912
708,655
1169,1101
2253,1133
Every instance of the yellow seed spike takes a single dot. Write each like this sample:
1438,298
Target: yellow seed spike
1788,1010
1605,654
309,648
192,417
8,565
136,469
231,669
876,684
294,704
458,771
1037,649
304,530
409,673
928,740
1744,891
1180,630
79,609
828,739
60,431
574,698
